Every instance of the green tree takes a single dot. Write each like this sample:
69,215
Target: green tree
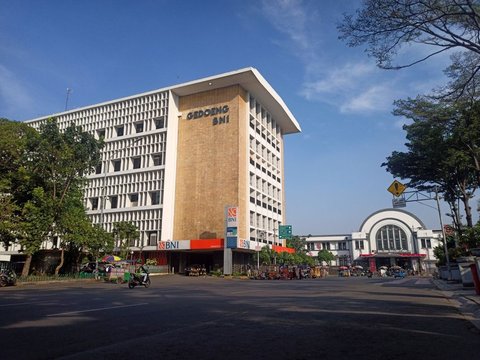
15,190
385,26
266,256
297,243
438,151
125,234
325,255
77,233
37,216
57,163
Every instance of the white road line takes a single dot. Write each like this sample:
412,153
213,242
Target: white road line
98,309
24,303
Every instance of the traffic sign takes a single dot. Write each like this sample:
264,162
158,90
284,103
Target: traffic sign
396,188
285,232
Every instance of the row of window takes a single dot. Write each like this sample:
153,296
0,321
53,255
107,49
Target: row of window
265,155
149,221
137,127
131,200
391,238
360,245
265,186
263,124
327,245
265,171
134,163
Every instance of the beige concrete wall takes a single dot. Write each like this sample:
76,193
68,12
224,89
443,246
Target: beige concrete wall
211,160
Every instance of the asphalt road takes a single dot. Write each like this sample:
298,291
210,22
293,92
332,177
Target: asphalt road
213,318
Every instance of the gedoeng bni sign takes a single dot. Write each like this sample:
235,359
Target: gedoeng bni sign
219,114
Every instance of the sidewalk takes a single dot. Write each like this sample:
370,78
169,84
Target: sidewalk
465,299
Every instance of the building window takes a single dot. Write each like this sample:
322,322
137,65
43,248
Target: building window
101,134
152,238
94,203
98,169
137,162
117,164
133,199
326,246
155,197
139,127
119,130
342,246
114,201
391,238
160,122
426,243
157,159
359,245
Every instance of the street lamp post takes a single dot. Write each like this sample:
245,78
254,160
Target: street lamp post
261,234
447,258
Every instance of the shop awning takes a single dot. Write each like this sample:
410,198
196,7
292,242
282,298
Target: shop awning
389,255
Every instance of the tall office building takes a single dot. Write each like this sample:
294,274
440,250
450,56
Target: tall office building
197,167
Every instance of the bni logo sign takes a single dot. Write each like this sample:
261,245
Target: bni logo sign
232,216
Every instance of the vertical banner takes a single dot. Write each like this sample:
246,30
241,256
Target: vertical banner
231,235
232,227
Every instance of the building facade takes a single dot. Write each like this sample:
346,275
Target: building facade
386,238
175,159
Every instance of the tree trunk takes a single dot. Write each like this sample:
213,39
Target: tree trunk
26,266
468,210
62,257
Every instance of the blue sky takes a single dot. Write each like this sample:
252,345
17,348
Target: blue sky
106,49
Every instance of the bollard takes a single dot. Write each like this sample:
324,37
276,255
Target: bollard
476,278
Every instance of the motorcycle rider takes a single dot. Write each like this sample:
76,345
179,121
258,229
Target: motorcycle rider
143,273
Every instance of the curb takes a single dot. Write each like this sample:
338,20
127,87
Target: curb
467,304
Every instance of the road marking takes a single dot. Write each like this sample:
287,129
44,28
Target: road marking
97,309
423,282
26,303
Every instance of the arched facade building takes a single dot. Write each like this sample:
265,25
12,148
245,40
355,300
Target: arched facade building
387,237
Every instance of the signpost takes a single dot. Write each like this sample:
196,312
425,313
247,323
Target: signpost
396,188
285,232
400,200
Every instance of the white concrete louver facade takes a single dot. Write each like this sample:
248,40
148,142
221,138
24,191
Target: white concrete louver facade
136,180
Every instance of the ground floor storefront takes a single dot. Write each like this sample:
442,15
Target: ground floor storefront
407,261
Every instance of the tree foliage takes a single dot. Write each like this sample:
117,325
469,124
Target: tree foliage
325,256
125,234
442,150
43,174
297,243
385,26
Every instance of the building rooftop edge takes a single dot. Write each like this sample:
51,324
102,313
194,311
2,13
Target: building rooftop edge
249,78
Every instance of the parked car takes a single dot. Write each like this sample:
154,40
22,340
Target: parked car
399,273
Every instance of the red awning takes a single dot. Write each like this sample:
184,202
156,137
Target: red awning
393,255
280,249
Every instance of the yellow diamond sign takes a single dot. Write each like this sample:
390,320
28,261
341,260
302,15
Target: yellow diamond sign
397,188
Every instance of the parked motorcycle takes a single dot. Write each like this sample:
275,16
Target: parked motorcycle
8,277
136,280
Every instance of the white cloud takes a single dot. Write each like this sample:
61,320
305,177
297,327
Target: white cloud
338,80
289,17
13,94
332,74
373,98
